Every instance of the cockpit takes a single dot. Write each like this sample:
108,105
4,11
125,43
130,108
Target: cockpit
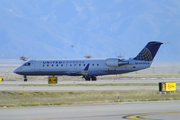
27,64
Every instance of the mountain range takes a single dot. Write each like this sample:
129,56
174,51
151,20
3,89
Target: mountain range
62,29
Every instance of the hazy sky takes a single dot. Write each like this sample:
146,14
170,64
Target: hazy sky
43,29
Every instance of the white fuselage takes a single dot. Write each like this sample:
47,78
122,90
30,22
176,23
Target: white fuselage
90,68
96,67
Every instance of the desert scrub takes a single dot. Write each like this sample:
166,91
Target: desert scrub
36,98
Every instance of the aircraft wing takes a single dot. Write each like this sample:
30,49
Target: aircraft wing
84,72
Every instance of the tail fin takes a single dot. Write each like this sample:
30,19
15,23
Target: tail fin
149,51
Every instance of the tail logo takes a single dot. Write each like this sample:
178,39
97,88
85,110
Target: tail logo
149,51
144,55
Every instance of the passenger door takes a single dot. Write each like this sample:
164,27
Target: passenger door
37,65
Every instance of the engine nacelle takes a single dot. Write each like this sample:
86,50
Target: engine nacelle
112,62
115,62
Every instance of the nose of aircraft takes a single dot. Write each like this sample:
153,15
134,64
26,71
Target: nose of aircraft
17,71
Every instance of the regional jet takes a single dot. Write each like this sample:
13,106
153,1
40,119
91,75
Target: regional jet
90,68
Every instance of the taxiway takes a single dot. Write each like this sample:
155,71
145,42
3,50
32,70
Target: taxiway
164,110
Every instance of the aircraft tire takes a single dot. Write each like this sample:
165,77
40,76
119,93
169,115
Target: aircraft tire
87,78
94,78
25,78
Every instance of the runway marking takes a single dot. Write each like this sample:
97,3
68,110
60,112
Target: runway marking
134,117
74,117
138,116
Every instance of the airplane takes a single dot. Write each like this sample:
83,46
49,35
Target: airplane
90,68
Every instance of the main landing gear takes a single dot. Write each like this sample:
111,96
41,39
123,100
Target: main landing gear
88,78
25,78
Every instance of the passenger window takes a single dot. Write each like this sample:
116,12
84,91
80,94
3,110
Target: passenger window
92,64
97,64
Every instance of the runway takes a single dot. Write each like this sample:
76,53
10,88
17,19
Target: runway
164,110
82,81
76,88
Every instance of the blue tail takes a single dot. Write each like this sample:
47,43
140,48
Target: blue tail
149,51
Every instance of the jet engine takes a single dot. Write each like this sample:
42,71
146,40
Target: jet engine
115,62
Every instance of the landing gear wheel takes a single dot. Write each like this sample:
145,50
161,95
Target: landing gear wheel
87,78
94,78
25,78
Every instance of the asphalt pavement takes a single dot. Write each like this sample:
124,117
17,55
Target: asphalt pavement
155,110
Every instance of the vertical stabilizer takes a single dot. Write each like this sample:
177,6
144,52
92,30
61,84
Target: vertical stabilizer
149,51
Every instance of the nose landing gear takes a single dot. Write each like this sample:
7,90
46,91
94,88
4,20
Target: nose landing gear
25,78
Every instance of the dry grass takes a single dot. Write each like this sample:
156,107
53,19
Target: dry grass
17,98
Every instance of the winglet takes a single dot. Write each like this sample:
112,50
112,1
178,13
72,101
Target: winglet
87,67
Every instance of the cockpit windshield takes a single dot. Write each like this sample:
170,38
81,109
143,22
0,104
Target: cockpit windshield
27,64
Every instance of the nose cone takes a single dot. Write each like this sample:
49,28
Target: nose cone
17,71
